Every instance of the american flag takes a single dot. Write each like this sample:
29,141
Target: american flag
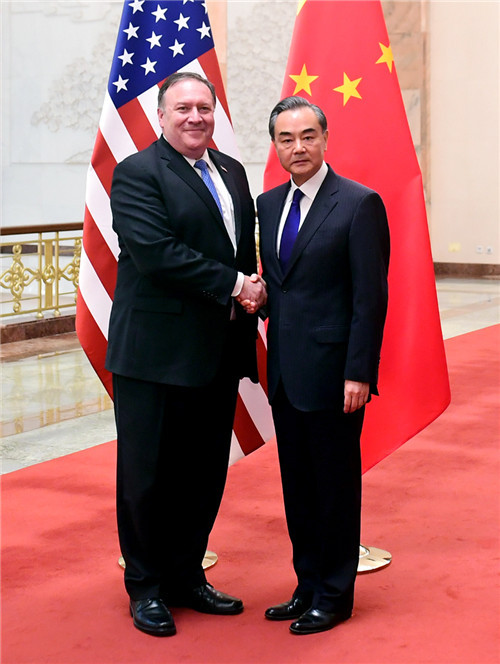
155,39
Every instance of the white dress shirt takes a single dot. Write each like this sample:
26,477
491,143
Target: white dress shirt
226,202
309,188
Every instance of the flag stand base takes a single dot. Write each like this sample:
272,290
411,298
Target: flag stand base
209,560
372,559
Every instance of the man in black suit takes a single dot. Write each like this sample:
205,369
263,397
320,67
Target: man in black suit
325,254
179,341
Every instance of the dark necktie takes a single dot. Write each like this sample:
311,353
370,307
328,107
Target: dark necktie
205,176
290,229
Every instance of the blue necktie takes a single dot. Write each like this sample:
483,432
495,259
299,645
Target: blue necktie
205,176
290,229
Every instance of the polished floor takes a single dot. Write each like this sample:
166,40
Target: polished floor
53,404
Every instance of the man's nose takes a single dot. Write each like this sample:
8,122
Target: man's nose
298,145
195,116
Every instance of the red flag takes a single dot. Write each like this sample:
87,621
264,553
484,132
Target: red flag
154,40
340,59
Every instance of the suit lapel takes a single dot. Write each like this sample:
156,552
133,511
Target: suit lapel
326,199
228,179
276,210
184,170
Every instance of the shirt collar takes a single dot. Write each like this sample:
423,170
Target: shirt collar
311,187
203,156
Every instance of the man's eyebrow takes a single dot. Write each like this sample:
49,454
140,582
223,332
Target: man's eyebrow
309,130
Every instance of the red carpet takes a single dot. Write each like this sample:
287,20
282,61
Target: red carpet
434,504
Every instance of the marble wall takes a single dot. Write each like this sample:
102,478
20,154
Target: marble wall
259,35
55,63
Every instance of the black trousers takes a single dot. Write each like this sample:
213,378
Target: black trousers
173,454
320,463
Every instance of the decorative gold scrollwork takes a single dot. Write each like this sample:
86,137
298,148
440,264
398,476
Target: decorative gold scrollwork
72,271
17,277
47,261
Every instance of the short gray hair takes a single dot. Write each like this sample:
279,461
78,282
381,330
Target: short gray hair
290,103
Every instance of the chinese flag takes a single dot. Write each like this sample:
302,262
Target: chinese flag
340,59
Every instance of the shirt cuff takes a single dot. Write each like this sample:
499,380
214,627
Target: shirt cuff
238,285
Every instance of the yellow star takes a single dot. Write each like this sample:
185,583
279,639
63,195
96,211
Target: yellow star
301,4
348,88
386,56
303,81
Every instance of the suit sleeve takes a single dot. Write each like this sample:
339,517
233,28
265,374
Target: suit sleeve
369,262
140,219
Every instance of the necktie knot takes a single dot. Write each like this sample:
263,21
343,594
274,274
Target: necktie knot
205,176
201,164
297,195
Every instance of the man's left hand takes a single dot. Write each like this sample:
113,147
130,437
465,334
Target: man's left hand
355,395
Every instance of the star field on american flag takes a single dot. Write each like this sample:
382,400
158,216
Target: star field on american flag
156,39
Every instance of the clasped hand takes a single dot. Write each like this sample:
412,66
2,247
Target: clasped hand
253,295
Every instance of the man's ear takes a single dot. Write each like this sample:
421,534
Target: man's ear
161,113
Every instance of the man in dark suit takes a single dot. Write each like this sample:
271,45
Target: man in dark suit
179,341
325,254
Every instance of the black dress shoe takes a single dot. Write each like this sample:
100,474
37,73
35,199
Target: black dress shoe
152,616
288,610
315,620
206,599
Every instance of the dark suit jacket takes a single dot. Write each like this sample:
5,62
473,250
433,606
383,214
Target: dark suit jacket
327,312
177,269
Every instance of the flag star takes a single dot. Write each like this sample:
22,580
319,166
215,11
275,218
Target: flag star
159,14
303,81
126,57
184,1
182,22
154,40
349,88
149,66
177,48
131,31
204,30
121,83
386,56
137,5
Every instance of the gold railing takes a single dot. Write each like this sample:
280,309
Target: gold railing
40,266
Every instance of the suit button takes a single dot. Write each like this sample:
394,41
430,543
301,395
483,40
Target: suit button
284,290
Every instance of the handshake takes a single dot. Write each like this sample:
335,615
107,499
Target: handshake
253,294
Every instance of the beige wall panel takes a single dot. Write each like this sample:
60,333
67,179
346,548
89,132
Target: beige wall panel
464,121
